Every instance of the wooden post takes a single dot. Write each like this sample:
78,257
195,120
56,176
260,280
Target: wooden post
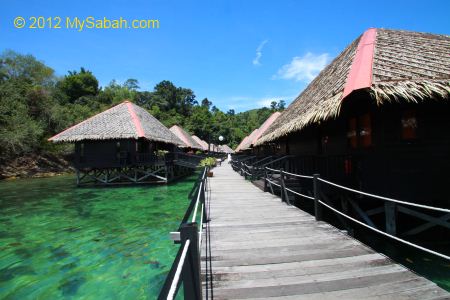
282,188
191,269
265,180
317,208
391,217
346,210
78,177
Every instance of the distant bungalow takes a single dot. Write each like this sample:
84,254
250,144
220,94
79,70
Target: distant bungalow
376,118
201,142
122,144
225,149
189,144
248,142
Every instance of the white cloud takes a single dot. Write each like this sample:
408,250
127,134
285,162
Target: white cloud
242,103
259,53
304,68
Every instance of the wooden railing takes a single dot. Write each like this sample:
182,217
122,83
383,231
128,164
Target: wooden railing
318,190
186,268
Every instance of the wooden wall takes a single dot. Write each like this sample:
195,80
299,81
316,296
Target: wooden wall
411,169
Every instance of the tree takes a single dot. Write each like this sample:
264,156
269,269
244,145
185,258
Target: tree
273,105
79,84
206,103
131,84
281,105
231,112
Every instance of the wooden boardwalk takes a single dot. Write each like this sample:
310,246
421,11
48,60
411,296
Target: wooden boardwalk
262,248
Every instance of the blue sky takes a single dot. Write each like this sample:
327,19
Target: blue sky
240,54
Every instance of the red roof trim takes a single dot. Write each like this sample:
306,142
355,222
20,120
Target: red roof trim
135,119
181,136
360,75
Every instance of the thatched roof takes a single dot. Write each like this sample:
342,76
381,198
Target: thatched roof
188,141
249,141
261,130
225,149
201,142
244,141
390,65
123,121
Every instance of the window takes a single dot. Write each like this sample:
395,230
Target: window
365,130
82,150
359,132
409,125
351,134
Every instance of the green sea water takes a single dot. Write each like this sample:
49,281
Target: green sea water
58,241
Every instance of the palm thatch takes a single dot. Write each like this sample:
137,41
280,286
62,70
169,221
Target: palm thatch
201,142
401,66
225,149
188,141
239,147
123,121
261,130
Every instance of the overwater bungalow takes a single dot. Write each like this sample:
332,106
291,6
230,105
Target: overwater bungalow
122,144
225,149
243,142
201,142
189,144
376,118
249,144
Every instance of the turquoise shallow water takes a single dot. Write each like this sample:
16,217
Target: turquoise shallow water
60,241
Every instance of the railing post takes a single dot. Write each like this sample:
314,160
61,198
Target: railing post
317,208
191,270
265,180
283,184
390,209
203,199
283,188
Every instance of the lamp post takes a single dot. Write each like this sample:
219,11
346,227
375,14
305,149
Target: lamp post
220,140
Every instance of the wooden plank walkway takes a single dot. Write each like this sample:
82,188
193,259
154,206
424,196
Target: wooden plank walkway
262,248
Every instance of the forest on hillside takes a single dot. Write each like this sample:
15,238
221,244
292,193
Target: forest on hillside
36,103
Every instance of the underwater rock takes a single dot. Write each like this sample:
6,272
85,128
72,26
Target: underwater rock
23,253
15,244
154,264
9,273
68,266
59,253
70,287
72,229
157,198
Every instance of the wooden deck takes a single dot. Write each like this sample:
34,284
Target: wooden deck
262,248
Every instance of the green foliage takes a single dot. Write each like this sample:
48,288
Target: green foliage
208,162
78,86
161,153
35,105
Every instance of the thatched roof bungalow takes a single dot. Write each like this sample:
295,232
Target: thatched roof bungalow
376,117
225,149
125,134
251,140
186,138
243,142
387,65
201,142
255,136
